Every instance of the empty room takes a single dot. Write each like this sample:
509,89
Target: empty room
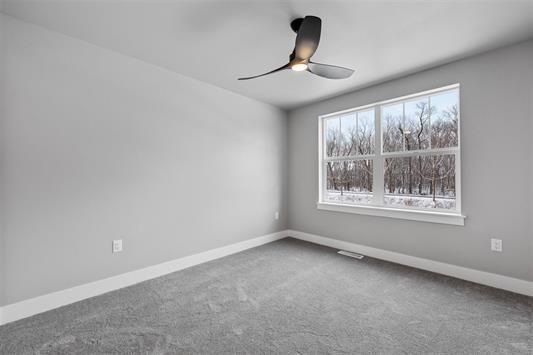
266,177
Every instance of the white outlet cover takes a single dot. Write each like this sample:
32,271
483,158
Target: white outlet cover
276,215
117,246
496,244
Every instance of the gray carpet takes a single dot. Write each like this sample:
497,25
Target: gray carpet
285,297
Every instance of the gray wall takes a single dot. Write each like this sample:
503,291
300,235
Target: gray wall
2,264
99,146
496,129
531,171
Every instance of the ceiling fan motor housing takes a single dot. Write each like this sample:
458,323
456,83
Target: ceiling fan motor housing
296,23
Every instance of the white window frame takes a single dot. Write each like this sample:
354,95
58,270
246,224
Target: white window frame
377,208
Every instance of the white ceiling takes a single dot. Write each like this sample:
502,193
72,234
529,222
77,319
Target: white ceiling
219,41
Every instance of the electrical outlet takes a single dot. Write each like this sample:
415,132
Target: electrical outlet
117,246
276,215
496,245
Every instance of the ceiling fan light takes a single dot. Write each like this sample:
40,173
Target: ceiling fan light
299,67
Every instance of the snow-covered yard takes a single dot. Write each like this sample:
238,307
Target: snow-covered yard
425,202
349,197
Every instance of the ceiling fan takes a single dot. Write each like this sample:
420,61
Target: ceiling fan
307,37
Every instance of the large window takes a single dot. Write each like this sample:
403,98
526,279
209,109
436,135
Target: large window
397,158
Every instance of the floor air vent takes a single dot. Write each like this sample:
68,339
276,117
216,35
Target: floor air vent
350,254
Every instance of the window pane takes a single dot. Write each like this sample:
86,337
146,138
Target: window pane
348,134
349,181
420,182
365,132
444,119
392,126
331,136
416,131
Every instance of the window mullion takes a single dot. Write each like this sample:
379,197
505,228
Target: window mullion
378,184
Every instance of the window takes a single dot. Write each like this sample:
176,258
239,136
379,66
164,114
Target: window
397,158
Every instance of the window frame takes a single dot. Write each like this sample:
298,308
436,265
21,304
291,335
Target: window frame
377,207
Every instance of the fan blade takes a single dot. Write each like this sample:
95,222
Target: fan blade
308,37
286,66
329,71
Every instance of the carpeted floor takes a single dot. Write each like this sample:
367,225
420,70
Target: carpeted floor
285,297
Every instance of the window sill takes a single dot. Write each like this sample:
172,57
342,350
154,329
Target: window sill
413,215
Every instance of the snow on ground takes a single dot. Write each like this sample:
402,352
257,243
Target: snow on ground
349,197
420,202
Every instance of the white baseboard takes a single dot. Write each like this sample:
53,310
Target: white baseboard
485,278
26,308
